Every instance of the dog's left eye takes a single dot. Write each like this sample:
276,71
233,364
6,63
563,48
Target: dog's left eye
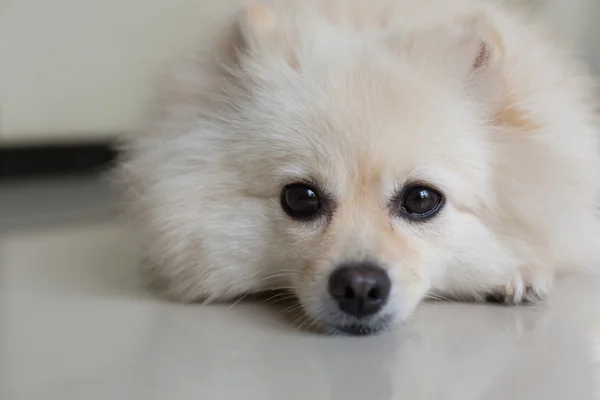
420,201
300,201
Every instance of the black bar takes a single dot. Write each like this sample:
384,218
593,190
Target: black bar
54,160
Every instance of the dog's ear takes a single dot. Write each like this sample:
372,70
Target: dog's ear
468,47
478,44
478,53
468,54
263,31
256,25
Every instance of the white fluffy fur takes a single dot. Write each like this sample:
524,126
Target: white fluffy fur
363,96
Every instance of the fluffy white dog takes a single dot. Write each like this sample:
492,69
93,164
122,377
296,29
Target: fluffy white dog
367,154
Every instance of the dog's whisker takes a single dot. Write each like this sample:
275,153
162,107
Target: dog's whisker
280,275
235,303
290,309
299,322
279,297
313,324
438,297
278,288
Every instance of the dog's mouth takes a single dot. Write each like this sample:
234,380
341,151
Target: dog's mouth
358,329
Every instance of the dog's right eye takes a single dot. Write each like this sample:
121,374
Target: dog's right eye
300,201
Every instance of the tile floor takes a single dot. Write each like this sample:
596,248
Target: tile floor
75,325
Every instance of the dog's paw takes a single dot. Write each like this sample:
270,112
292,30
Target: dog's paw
529,286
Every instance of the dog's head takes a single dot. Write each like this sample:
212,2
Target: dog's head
370,156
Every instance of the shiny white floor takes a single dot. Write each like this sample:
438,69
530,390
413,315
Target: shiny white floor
75,325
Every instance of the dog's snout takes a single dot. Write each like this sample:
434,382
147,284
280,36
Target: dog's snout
360,290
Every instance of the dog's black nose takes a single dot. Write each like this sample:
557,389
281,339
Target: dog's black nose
360,290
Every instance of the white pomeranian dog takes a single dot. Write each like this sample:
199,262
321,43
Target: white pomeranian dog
366,155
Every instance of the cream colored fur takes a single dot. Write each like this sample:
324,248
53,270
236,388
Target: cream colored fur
363,96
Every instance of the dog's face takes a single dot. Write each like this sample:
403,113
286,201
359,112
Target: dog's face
371,212
371,164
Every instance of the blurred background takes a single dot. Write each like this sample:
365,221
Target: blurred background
79,71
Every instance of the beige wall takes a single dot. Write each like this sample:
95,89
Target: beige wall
81,68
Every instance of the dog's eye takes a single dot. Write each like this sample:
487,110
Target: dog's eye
420,201
300,201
